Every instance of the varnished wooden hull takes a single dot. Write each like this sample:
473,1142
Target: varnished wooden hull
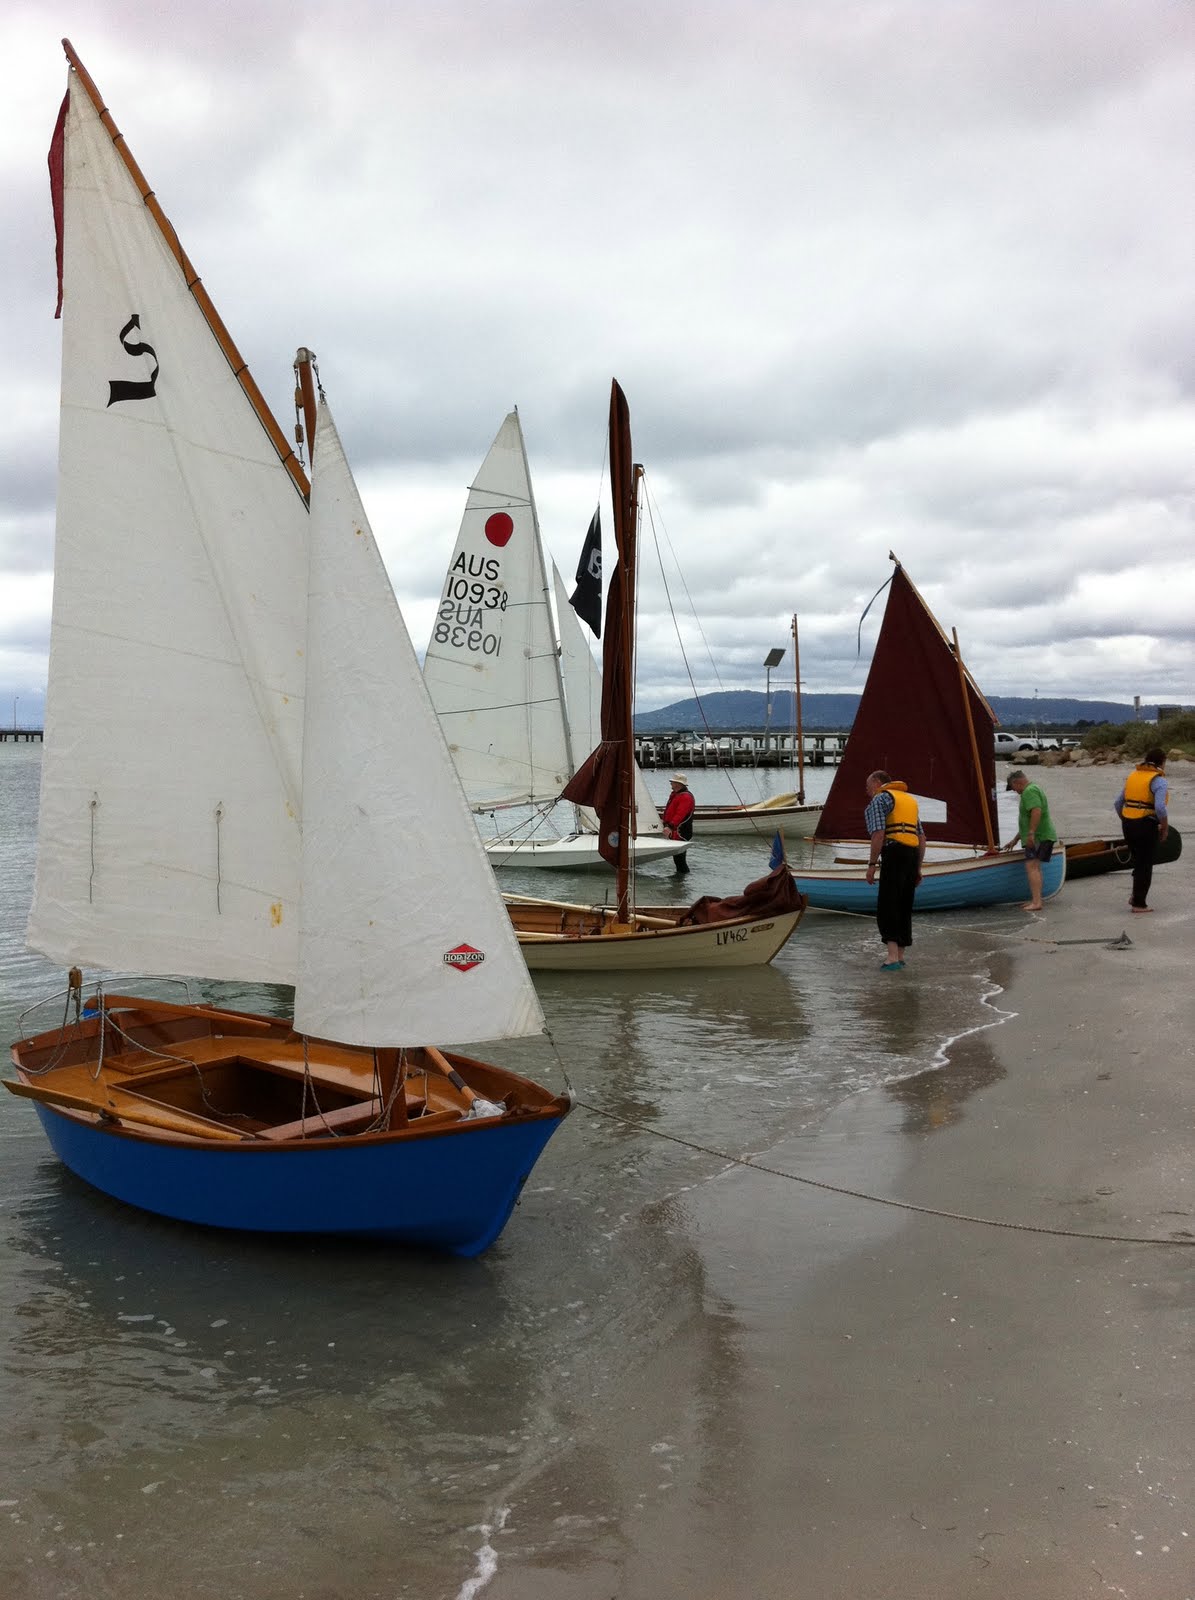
230,1121
1094,856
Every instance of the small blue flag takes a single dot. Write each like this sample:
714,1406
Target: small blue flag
778,858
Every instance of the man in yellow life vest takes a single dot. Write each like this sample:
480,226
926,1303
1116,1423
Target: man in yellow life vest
897,848
1144,820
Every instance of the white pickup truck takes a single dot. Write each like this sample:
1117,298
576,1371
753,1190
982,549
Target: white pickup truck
1015,744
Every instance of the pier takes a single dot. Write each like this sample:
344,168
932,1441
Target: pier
22,735
726,747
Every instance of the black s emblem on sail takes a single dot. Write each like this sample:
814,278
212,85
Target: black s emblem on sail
119,388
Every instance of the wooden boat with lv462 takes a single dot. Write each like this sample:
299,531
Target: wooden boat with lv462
240,758
557,937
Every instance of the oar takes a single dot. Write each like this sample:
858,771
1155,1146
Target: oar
144,1116
445,1069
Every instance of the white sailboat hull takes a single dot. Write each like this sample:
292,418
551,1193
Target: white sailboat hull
760,819
578,851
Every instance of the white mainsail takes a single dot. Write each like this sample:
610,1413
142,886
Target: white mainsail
240,753
404,933
491,665
169,822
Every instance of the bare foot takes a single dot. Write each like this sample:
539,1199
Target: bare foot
1032,907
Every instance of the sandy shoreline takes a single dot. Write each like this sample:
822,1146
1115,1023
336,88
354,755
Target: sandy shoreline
929,1407
1020,1413
1016,1406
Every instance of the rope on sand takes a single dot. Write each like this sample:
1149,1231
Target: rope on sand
882,1200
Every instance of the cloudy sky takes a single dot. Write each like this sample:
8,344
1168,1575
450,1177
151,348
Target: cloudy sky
896,274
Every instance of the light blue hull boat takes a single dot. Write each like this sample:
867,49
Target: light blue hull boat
945,885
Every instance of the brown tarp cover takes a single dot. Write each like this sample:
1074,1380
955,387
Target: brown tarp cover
766,897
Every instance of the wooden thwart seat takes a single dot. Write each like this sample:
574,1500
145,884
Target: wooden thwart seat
345,1119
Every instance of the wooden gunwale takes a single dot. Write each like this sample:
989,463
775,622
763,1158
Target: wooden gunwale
121,1096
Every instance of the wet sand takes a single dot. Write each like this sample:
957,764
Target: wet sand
930,1407
1012,1410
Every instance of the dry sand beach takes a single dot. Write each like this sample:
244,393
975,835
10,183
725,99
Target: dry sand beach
943,1407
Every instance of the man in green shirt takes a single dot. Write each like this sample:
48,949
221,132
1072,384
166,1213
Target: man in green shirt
1036,832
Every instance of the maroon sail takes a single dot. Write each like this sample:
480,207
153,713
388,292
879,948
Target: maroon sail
605,781
922,720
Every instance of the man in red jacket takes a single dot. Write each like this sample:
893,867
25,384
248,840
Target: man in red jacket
677,816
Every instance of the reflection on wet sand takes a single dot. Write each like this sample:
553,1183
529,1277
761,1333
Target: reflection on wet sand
935,1098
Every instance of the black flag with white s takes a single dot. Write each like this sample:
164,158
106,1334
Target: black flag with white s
586,599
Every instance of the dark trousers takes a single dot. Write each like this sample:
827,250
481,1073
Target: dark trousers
1141,836
898,884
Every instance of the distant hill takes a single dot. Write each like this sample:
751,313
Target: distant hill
747,708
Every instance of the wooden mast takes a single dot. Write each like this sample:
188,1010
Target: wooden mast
800,729
624,481
305,397
984,799
194,283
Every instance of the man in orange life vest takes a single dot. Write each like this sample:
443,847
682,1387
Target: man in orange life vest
1144,820
677,817
897,848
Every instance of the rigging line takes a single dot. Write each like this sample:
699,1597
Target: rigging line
650,499
867,608
879,1199
672,612
568,1082
730,770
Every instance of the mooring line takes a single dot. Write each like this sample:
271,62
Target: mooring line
878,1199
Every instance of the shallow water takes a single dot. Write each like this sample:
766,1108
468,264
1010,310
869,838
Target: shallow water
242,1417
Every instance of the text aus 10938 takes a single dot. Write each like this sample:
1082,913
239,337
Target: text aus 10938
462,622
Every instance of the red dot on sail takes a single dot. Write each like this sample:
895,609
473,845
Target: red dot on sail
499,528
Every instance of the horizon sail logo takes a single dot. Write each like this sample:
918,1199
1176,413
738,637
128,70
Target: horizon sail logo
463,957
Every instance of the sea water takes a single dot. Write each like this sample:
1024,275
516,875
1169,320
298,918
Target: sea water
221,1415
